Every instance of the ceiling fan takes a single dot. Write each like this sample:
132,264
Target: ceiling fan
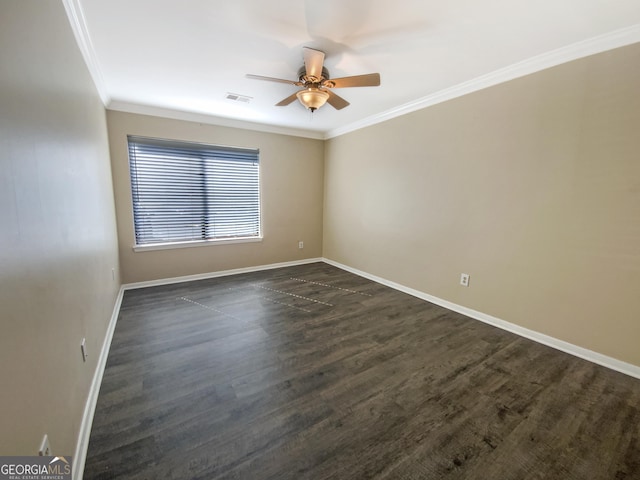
314,77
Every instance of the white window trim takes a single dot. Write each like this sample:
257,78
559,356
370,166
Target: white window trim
195,243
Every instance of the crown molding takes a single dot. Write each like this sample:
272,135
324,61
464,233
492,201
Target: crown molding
575,51
83,39
211,120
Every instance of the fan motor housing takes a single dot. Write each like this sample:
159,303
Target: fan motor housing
302,75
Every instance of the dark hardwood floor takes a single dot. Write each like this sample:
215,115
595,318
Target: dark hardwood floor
311,372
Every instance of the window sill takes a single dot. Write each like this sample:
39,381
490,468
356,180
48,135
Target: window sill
197,243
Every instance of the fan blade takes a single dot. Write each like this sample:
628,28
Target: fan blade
336,101
313,61
368,80
271,79
287,101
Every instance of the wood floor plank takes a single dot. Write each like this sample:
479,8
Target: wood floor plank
311,372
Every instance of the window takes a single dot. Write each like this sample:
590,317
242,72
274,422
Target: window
191,192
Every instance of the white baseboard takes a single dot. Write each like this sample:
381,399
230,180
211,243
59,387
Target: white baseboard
222,273
590,355
82,443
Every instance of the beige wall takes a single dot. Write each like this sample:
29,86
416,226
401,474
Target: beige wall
58,238
532,187
291,181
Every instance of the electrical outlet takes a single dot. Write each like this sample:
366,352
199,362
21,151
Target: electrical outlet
300,244
45,447
464,279
83,349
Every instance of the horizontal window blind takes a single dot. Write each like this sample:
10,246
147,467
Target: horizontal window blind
189,191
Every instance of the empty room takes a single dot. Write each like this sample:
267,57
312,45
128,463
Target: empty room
320,240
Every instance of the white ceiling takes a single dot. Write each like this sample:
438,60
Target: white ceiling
181,58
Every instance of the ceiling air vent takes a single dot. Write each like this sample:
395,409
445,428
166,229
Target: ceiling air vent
236,97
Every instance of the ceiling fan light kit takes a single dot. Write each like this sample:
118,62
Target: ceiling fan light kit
312,98
314,77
